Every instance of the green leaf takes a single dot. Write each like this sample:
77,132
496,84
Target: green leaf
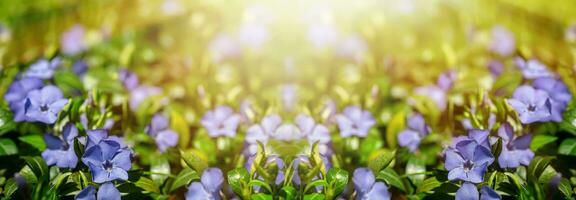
160,169
28,175
337,180
178,124
319,182
394,127
256,182
416,165
314,196
565,188
288,193
9,188
34,140
537,166
147,185
390,176
61,178
194,159
183,178
238,180
541,140
261,196
568,147
497,148
428,185
380,159
38,166
7,147
68,81
6,121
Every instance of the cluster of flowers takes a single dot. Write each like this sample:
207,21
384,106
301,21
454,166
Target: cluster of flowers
33,101
107,157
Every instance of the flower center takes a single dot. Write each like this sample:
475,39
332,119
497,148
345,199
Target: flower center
44,108
468,165
531,108
107,165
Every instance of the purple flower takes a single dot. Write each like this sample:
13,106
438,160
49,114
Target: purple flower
289,96
60,150
16,94
208,187
479,136
128,79
515,150
532,105
496,67
222,121
88,193
80,67
43,105
287,132
532,68
42,69
159,130
559,95
352,47
72,41
435,93
468,191
367,187
107,191
503,42
416,131
261,132
107,161
446,80
355,122
141,93
223,47
468,161
97,136
314,132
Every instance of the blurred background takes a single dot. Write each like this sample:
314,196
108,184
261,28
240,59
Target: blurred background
221,50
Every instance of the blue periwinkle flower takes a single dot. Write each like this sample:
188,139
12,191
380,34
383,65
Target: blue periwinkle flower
107,161
314,132
96,136
209,186
129,80
503,42
72,41
354,121
222,121
159,129
515,150
366,186
141,93
532,68
262,132
107,191
16,94
468,191
43,105
481,137
42,69
415,132
435,93
60,150
532,105
559,95
468,161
